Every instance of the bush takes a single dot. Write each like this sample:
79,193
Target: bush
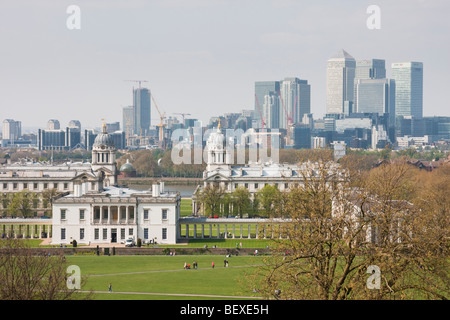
74,243
139,242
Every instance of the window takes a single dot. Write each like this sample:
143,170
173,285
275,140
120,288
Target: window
164,214
122,233
235,185
256,186
246,186
55,185
96,234
81,233
130,231
164,233
145,214
286,185
35,186
145,233
81,214
105,234
66,186
63,233
45,185
63,214
25,185
15,185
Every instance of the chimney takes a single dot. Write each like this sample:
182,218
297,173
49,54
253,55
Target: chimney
161,186
155,190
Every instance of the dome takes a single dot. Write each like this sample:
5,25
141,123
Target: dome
127,167
103,140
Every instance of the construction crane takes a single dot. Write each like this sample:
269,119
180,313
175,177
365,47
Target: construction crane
183,114
161,125
263,121
138,81
288,117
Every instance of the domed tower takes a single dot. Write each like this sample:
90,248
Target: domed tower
218,154
104,157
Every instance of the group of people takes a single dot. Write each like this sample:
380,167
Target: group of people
188,266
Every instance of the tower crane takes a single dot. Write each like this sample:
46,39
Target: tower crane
263,121
138,81
183,114
161,125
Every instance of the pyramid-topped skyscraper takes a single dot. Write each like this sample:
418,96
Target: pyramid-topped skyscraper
340,81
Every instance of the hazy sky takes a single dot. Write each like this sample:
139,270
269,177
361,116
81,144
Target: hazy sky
201,56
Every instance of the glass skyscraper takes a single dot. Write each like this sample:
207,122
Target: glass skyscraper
368,69
141,105
408,78
263,88
282,101
340,81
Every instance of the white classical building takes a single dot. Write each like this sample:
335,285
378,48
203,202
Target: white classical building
39,177
221,172
116,214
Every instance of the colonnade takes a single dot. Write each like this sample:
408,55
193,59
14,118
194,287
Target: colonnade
26,228
113,214
228,228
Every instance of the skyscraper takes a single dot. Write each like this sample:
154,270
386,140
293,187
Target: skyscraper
375,96
368,69
142,115
408,78
281,102
271,110
12,130
263,88
340,81
295,100
128,120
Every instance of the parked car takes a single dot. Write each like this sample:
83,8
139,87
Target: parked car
129,242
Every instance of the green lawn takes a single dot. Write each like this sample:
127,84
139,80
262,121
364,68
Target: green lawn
148,275
186,207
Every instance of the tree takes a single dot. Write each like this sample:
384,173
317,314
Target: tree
21,205
241,200
339,229
26,275
210,198
269,199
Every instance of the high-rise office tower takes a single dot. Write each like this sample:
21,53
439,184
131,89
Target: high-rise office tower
11,130
340,81
263,88
375,96
128,120
408,78
271,110
368,69
290,99
142,116
295,96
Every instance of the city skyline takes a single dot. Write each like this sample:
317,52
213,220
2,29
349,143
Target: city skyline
201,57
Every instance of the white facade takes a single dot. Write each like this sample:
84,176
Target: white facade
115,215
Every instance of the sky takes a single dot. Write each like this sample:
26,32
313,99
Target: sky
201,57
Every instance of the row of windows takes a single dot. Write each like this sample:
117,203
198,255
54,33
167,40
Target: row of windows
257,185
33,186
105,233
82,214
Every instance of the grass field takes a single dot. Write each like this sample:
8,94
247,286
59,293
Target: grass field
164,277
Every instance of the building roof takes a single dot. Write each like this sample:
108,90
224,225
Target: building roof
342,54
